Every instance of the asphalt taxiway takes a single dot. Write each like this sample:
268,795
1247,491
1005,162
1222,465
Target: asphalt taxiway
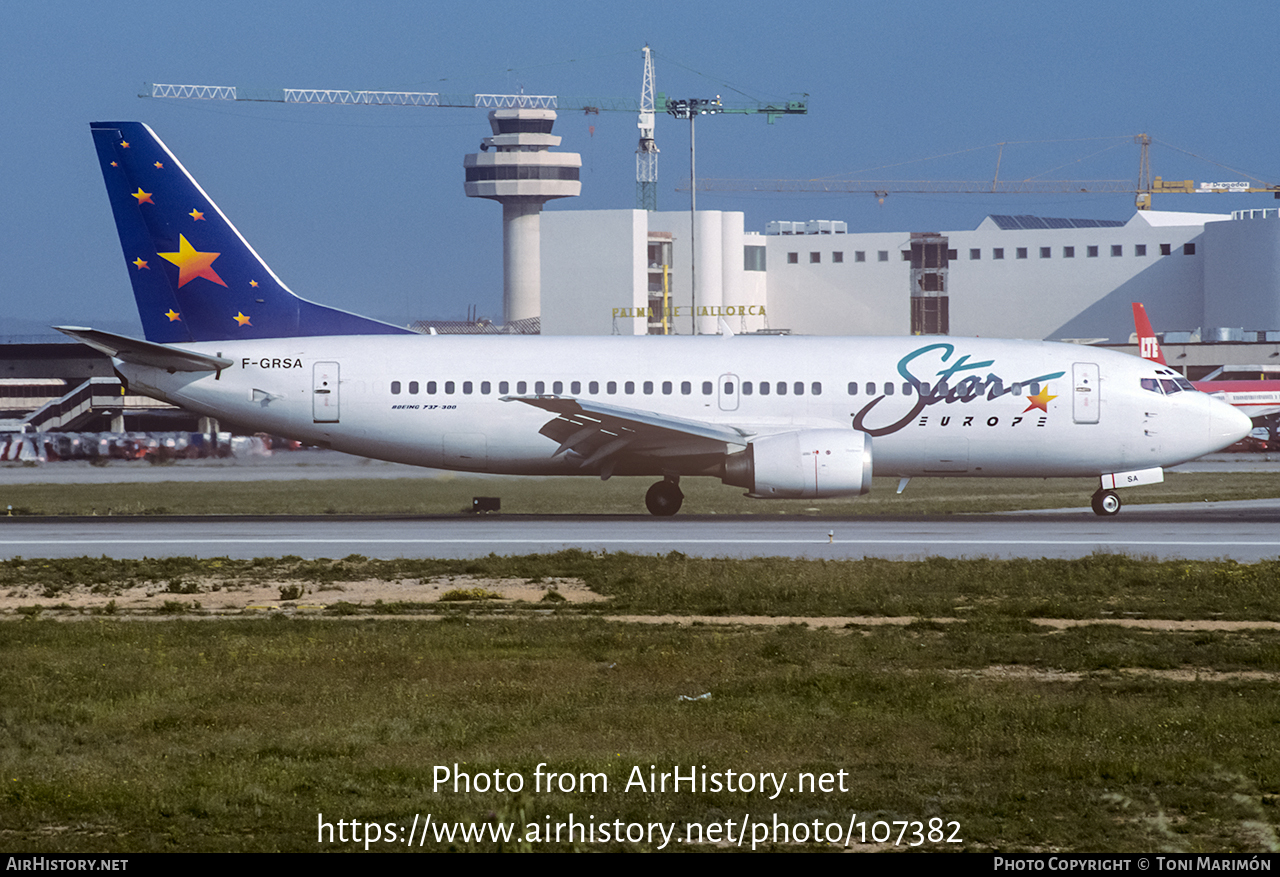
1245,531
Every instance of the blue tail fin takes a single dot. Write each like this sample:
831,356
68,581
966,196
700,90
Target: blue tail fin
194,277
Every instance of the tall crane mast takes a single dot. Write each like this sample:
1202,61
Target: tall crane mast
647,151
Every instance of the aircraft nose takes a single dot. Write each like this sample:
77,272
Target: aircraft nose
1227,424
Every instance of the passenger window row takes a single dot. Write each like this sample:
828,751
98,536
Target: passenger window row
668,388
888,388
629,388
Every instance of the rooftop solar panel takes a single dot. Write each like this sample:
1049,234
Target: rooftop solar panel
1024,221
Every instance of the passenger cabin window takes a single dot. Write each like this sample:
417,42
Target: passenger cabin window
667,388
557,387
648,388
466,388
593,388
395,388
746,388
431,388
611,388
539,387
504,387
708,388
685,388
484,388
575,387
448,387
853,388
522,387
764,388
798,388
630,388
413,388
782,388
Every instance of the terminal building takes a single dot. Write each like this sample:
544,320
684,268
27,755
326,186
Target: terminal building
1204,278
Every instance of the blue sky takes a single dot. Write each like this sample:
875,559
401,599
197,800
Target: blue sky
363,208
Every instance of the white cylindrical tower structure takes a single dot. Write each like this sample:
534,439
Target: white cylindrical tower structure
517,168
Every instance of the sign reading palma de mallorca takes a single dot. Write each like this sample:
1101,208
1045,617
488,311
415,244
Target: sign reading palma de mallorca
683,310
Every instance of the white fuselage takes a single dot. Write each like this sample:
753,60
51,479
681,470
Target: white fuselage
1004,408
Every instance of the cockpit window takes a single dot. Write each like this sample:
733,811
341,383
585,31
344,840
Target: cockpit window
1151,384
1170,387
1185,384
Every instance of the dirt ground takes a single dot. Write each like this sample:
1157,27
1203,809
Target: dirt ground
216,598
221,599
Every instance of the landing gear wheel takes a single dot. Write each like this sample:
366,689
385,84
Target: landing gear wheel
664,499
1106,503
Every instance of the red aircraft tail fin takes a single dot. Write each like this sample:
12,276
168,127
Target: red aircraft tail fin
1148,345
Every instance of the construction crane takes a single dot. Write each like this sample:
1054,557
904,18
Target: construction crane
1143,190
650,103
439,99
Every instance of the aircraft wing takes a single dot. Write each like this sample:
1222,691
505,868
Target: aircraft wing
596,431
146,352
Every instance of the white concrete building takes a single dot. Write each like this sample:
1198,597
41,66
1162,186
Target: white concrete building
602,273
1200,275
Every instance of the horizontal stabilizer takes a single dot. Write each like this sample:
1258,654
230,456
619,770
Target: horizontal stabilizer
146,352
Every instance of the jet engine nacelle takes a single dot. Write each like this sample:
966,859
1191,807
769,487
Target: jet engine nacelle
799,465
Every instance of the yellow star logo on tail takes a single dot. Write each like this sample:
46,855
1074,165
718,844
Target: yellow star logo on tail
192,263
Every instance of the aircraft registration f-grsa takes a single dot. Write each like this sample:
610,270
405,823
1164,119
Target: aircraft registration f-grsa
780,416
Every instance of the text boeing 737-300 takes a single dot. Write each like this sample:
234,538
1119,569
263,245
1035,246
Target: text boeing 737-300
779,416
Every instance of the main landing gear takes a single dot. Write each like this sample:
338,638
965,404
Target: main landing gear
665,497
1105,503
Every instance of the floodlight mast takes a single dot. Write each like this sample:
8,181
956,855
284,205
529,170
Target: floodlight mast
690,109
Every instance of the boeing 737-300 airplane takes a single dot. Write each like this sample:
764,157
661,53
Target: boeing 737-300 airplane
779,416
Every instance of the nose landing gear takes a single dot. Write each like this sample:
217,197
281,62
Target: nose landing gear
1105,503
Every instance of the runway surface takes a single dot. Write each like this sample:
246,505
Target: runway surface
1244,531
316,465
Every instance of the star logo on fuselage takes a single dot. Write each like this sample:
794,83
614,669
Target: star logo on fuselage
1041,400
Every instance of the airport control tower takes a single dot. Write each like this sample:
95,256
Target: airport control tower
517,167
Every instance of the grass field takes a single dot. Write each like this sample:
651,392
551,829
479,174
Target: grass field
235,734
452,494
